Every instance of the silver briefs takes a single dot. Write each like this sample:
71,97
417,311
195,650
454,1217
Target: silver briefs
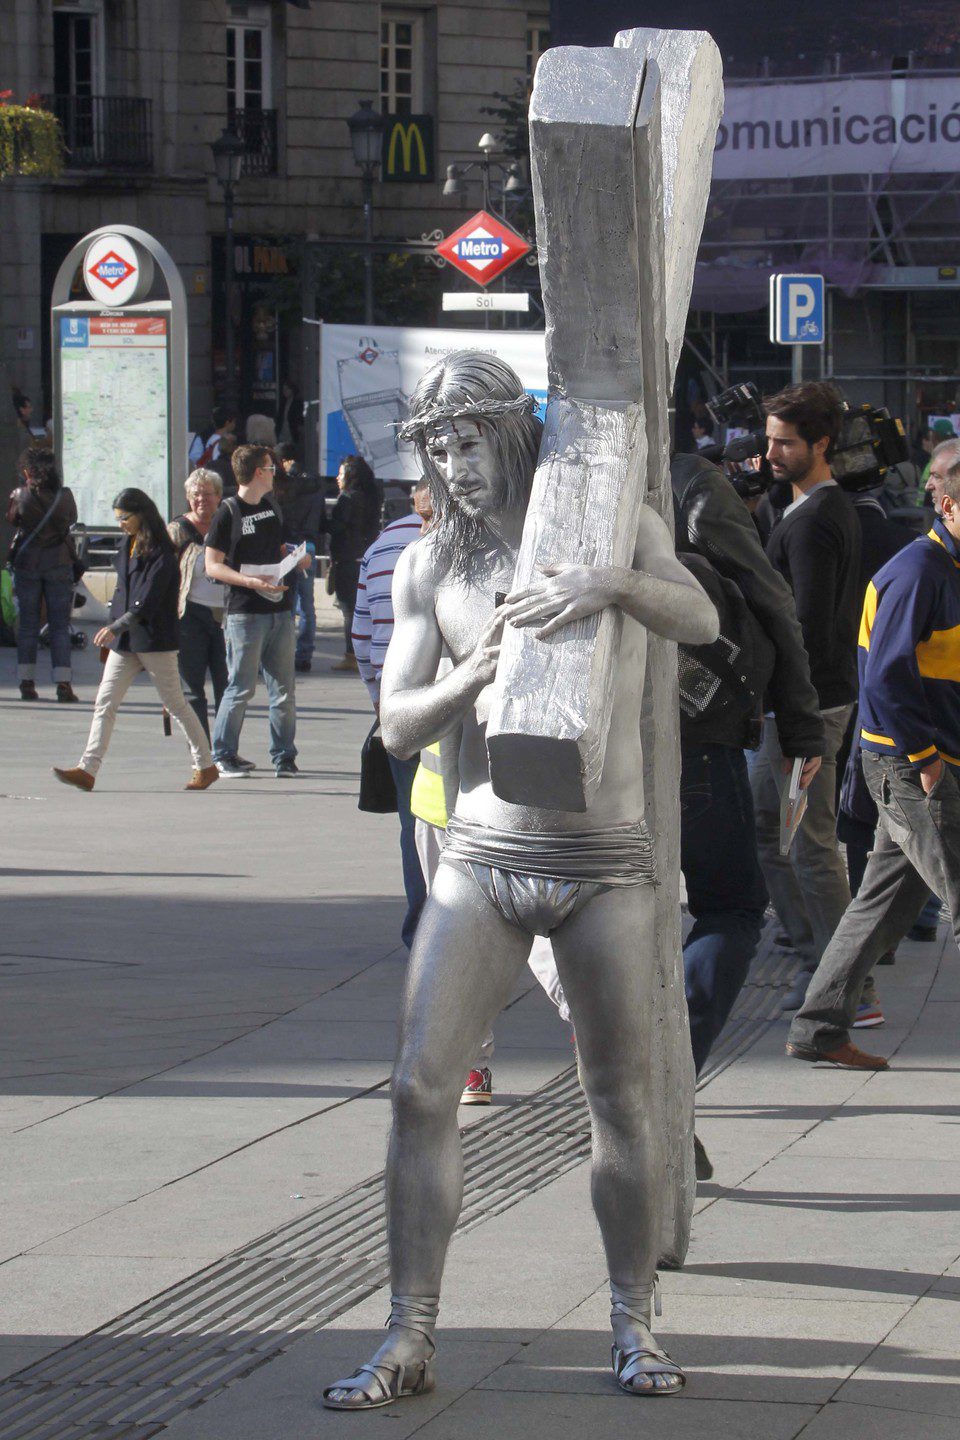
537,881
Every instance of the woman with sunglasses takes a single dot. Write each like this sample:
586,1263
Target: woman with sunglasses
142,635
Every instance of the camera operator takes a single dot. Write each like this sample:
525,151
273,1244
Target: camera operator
725,888
816,548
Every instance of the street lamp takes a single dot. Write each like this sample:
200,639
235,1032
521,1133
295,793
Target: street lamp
228,153
366,137
511,176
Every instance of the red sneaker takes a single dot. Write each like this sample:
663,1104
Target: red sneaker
478,1089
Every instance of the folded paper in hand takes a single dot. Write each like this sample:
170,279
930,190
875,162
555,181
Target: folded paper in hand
793,804
275,573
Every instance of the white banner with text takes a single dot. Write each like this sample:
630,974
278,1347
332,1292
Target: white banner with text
840,127
368,375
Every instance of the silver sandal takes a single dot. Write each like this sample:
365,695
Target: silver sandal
384,1385
628,1364
636,1304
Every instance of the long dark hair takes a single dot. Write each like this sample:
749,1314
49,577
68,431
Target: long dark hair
152,534
360,482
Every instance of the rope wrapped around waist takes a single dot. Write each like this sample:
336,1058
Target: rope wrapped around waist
618,855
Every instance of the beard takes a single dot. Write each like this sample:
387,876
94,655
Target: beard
461,535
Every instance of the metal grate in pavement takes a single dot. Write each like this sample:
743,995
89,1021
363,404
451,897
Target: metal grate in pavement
129,1379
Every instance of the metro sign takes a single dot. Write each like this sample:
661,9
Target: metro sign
111,270
483,248
116,270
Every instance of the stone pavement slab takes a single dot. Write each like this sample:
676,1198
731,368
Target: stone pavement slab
198,1000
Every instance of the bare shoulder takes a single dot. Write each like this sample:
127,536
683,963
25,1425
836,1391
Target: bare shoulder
417,576
654,540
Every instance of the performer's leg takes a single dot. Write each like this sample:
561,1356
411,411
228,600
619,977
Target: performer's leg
605,957
465,962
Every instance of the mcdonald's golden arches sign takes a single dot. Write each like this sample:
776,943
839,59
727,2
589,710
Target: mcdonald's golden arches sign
408,149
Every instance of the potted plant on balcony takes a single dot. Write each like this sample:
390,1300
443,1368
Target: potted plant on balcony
30,139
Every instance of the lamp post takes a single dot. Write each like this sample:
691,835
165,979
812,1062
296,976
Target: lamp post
510,176
228,153
366,137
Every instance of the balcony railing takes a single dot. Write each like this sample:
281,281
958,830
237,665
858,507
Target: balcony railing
258,131
104,131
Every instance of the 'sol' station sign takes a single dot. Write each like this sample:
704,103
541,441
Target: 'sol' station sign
483,248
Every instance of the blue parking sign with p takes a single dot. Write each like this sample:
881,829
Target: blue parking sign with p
797,310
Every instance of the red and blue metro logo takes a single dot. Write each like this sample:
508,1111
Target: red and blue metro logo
483,248
111,269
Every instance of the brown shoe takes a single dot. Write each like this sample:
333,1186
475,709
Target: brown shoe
349,662
66,694
82,779
28,690
202,779
845,1057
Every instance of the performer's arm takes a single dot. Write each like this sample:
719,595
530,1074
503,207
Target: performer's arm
658,592
416,708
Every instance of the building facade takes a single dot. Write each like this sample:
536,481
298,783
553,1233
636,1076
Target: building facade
142,89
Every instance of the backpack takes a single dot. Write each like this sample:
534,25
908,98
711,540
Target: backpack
236,521
722,684
726,679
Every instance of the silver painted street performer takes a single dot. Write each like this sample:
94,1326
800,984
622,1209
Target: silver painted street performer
510,872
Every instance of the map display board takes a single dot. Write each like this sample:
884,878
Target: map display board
114,420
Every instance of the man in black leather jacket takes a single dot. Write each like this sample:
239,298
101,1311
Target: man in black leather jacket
726,893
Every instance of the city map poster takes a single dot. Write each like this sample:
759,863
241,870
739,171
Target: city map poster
114,410
368,375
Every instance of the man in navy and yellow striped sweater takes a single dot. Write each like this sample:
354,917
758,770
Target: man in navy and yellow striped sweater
909,724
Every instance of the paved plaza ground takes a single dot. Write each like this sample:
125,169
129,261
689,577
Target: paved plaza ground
198,996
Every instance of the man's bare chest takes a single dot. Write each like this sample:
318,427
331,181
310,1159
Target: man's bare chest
464,607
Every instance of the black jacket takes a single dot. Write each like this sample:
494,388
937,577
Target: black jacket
816,548
304,508
143,611
354,525
714,522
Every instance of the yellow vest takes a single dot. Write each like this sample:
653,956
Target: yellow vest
435,785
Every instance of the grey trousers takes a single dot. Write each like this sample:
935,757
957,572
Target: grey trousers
809,887
917,849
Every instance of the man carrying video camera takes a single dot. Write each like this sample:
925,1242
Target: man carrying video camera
722,688
816,548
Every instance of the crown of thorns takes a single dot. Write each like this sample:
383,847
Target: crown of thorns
417,427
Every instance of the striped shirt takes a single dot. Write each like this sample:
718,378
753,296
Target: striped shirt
373,614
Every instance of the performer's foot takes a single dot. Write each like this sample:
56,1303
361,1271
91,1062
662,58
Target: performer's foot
402,1366
640,1365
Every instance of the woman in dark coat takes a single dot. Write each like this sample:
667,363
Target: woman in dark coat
42,559
354,525
143,634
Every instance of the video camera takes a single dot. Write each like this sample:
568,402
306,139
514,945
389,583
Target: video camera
871,442
740,406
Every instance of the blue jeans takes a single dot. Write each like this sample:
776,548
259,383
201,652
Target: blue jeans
726,893
403,772
305,610
202,649
254,641
31,588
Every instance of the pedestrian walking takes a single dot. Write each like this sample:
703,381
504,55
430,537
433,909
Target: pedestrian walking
304,509
372,629
909,724
42,558
247,529
200,605
354,525
816,548
143,635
